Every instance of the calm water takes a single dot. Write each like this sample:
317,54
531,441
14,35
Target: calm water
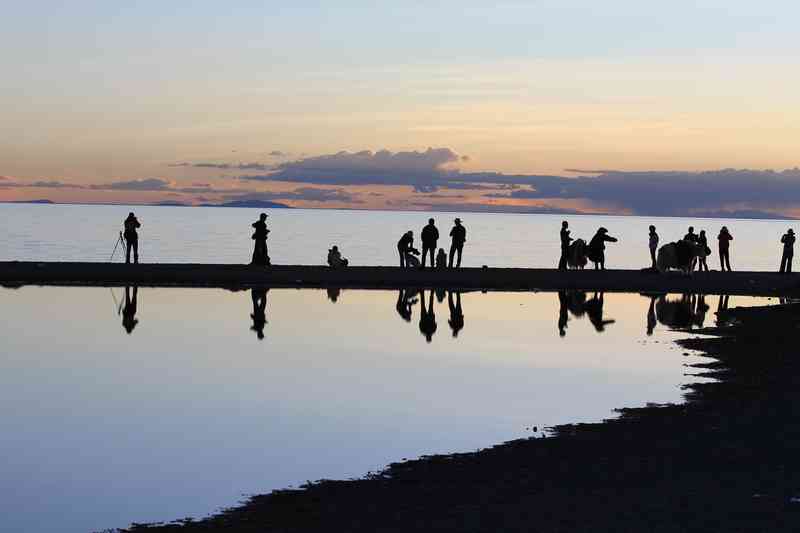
222,235
191,410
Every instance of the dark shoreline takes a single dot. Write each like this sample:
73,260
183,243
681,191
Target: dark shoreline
14,274
725,460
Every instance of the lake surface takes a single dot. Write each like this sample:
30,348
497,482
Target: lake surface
302,236
197,397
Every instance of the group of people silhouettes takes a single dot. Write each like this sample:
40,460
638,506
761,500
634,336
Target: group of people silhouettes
574,252
430,237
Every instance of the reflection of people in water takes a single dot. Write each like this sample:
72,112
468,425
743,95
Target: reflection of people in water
427,317
689,310
456,314
259,314
563,317
405,300
594,309
333,293
129,320
722,306
651,315
700,308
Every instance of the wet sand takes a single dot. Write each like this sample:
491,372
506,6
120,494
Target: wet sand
205,275
726,460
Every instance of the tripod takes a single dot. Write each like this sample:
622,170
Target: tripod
120,239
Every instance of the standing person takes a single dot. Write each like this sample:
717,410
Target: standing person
459,237
405,246
597,247
565,240
131,238
129,319
429,237
260,256
724,239
427,317
702,240
788,252
653,245
456,313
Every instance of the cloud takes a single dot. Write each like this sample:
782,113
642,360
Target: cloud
147,184
492,208
420,170
53,184
277,153
667,193
307,194
226,166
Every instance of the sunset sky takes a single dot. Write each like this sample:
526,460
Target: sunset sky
669,108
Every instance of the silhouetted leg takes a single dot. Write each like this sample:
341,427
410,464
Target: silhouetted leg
135,245
402,258
459,250
653,256
450,257
127,252
562,262
782,269
789,264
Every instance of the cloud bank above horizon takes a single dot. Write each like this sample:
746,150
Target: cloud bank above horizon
431,179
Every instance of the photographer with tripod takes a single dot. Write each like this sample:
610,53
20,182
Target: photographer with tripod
131,238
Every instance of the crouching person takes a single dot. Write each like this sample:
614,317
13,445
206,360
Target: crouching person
335,259
441,260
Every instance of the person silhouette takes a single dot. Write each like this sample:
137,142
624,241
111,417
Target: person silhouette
131,224
429,237
597,247
563,315
653,244
335,259
456,314
788,252
702,241
259,315
700,309
458,237
691,236
724,239
405,247
129,319
441,260
405,301
427,317
260,255
594,310
651,315
565,240
722,307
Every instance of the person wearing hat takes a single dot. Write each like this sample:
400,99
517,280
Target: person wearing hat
260,256
131,224
597,247
459,236
724,239
788,252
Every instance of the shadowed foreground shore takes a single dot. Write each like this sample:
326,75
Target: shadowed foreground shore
726,460
205,275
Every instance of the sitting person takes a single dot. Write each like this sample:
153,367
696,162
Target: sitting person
335,259
441,260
